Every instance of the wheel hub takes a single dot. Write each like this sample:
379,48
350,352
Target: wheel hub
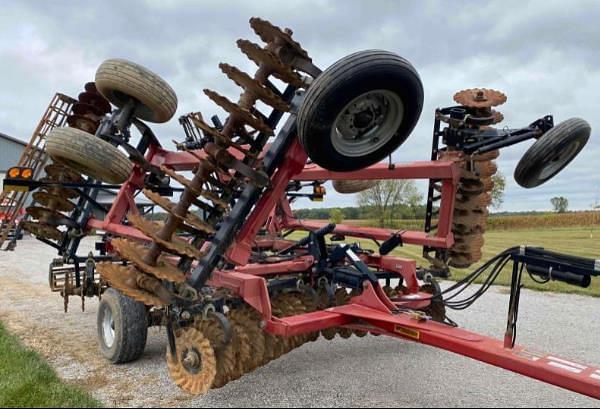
192,361
367,122
558,160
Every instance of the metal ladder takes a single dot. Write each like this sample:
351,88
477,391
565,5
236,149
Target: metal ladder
34,156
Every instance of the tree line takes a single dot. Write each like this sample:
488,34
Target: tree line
362,212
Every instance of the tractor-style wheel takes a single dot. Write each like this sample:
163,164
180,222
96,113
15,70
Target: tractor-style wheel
120,80
352,186
88,154
359,110
552,152
122,327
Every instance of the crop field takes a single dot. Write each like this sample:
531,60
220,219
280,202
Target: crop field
579,241
584,219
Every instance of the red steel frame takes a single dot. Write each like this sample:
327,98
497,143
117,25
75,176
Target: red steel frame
371,311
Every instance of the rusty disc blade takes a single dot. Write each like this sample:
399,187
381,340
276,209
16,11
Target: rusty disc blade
249,323
270,33
59,191
220,138
42,230
135,253
53,201
498,117
486,168
471,187
63,174
261,56
202,192
169,206
491,155
49,216
96,100
80,108
91,87
473,202
194,366
82,123
240,114
224,353
250,84
467,243
488,184
479,98
124,279
174,245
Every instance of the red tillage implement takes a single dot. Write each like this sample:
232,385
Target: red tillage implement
217,267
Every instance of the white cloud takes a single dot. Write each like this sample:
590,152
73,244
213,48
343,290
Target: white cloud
542,54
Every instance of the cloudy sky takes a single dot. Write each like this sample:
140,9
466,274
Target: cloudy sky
543,55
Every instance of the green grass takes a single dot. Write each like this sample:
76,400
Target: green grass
578,241
26,380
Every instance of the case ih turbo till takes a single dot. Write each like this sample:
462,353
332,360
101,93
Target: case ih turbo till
219,273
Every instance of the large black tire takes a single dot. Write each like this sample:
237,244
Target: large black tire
359,110
129,322
552,152
118,80
88,154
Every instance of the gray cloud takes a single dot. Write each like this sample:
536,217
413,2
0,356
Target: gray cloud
543,55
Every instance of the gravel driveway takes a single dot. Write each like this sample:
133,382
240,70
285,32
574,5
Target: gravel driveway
373,371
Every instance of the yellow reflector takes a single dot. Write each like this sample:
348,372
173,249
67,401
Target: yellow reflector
27,173
14,172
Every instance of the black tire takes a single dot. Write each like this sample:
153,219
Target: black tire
130,324
88,154
118,80
552,152
364,86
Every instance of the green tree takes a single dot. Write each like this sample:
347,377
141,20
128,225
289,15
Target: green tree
498,190
388,195
560,204
336,216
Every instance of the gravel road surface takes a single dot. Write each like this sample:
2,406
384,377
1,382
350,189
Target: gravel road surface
370,371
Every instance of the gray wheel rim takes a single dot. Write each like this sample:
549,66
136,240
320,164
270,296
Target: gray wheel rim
108,328
559,160
367,123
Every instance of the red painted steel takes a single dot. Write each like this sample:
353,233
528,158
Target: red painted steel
375,233
369,313
372,310
443,170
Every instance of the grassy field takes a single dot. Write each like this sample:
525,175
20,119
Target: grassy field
577,241
27,381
